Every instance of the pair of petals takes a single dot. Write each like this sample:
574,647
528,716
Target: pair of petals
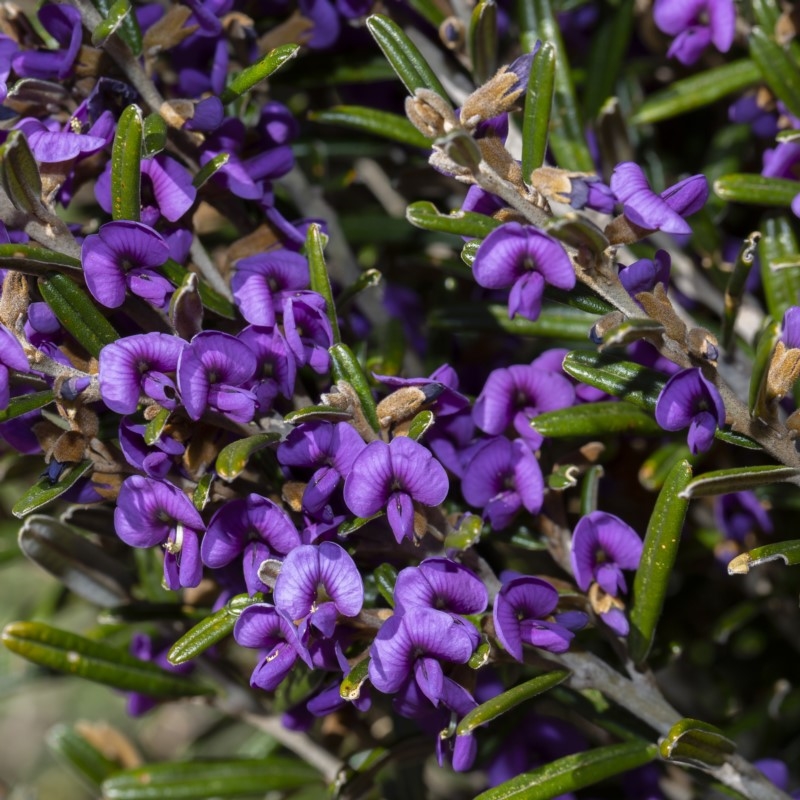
682,18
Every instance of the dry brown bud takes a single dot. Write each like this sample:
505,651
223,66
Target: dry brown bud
784,370
498,95
431,114
292,494
659,307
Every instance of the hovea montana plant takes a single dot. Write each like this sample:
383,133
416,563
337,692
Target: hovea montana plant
412,387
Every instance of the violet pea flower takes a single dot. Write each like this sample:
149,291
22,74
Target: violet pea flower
151,512
316,584
690,400
684,20
651,211
12,356
525,259
155,459
644,274
790,327
394,476
521,609
307,329
442,584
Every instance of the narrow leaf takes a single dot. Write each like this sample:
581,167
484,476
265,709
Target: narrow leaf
155,427
482,40
155,134
212,299
697,743
77,313
24,403
780,73
385,579
758,399
20,175
350,687
538,105
503,703
113,21
345,367
658,557
420,424
425,215
370,120
734,291
210,168
202,492
35,260
199,780
570,773
68,652
126,166
79,754
595,419
354,524
44,491
756,189
129,30
777,249
656,467
403,55
258,72
788,552
324,413
320,280
232,459
723,481
211,630
697,91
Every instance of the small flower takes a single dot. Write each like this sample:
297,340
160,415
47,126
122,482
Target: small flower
690,400
684,20
644,274
526,259
150,513
155,459
521,609
442,584
664,212
124,254
316,584
394,476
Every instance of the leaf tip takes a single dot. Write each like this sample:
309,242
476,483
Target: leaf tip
740,565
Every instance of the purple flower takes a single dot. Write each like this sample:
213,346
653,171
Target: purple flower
526,259
254,526
644,274
317,583
50,145
740,514
395,476
261,626
790,327
330,448
63,23
151,513
664,212
211,371
441,584
602,546
123,254
683,19
501,478
12,356
307,329
690,400
276,370
517,395
155,459
521,609
412,645
139,364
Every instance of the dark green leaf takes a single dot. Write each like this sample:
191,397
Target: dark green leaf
734,291
350,687
345,367
538,105
155,427
574,772
723,481
232,459
126,166
200,780
697,743
113,21
324,413
24,403
780,73
257,72
370,120
155,134
68,652
79,754
420,424
34,260
210,168
77,313
581,297
595,419
44,491
425,215
354,524
385,579
504,702
20,175
788,552
658,557
403,55
756,189
482,40
780,265
320,281
212,299
129,31
758,400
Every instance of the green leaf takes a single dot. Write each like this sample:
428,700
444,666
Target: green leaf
354,524
780,73
232,459
129,30
113,21
758,400
429,10
658,557
126,166
697,91
202,492
574,772
482,41
155,134
155,427
200,780
553,322
70,653
320,280
44,491
538,21
788,552
734,291
467,534
723,481
756,190
209,169
581,297
83,567
595,419
20,175
656,467
696,743
370,120
324,413
24,403
259,71
211,630
538,106
368,279
345,367
503,703
34,260
78,753
385,579
185,312
403,55
77,313
425,215
780,265
624,379
212,299
420,424
350,687
590,489
630,330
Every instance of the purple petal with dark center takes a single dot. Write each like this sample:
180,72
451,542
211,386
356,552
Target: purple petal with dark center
133,242
367,487
419,473
442,584
686,394
519,600
150,286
